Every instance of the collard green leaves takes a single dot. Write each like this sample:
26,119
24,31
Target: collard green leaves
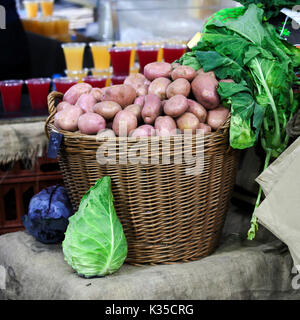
95,244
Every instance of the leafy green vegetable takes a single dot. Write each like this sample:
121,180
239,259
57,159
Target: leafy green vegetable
95,244
249,51
271,7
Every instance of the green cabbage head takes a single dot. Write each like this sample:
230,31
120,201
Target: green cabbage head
95,243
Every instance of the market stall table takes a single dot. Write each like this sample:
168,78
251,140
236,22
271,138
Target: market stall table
239,269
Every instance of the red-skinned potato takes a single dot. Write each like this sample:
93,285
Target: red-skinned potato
204,88
136,109
209,73
124,122
205,128
106,133
176,106
155,70
107,109
145,130
139,82
86,102
67,119
184,72
123,94
62,105
152,108
140,101
217,117
165,126
91,123
179,86
76,91
97,93
159,87
188,121
197,109
175,65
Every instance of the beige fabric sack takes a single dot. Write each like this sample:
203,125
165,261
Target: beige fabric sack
280,211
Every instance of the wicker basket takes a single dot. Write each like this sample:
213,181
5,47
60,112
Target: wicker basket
167,215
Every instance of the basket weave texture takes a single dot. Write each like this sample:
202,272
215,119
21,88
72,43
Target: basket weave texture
167,215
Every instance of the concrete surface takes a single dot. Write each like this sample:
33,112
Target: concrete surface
239,269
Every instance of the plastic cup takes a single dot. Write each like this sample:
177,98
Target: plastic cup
32,8
38,91
117,79
77,74
11,94
95,82
158,43
147,54
74,55
103,73
133,51
173,51
120,60
47,27
135,69
62,84
101,56
47,7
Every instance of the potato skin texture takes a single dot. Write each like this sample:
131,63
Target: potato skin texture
145,130
139,82
107,109
197,109
217,117
91,123
179,86
73,94
165,126
205,128
124,122
159,87
188,121
204,88
86,102
155,70
123,94
176,106
184,72
67,119
152,108
136,109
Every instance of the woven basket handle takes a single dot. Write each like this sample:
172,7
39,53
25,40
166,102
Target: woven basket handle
52,97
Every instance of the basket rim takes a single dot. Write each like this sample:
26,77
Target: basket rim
94,138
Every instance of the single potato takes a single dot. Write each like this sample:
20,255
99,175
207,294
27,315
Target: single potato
159,87
139,82
124,122
123,94
184,72
179,86
107,109
155,70
205,128
152,108
136,109
204,88
91,123
86,102
217,117
165,126
197,109
188,121
176,106
145,130
67,119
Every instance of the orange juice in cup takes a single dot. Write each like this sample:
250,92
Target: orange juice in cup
101,56
61,26
77,74
47,7
31,8
133,51
74,55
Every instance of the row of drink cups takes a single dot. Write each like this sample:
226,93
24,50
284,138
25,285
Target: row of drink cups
121,55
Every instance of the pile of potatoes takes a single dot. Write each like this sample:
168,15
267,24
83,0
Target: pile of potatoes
166,100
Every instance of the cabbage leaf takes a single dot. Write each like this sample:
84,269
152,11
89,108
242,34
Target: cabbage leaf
95,243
